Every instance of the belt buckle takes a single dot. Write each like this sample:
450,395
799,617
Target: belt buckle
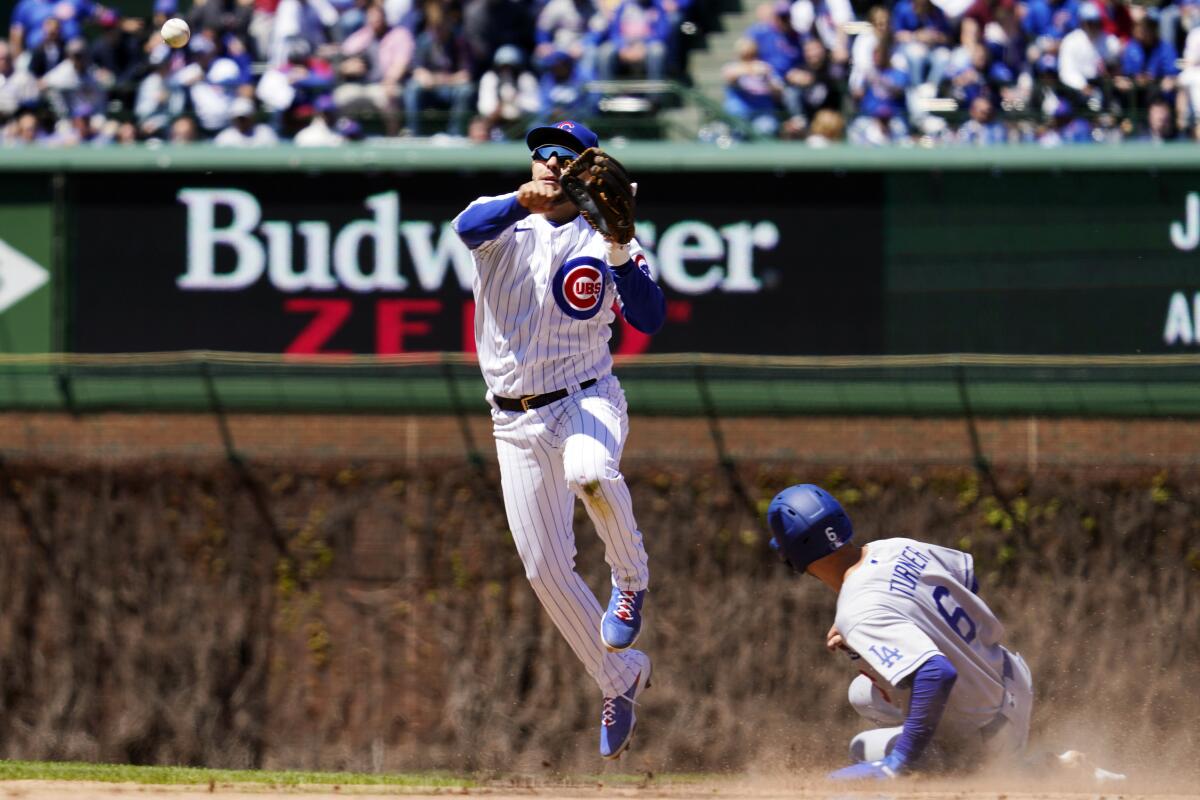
525,401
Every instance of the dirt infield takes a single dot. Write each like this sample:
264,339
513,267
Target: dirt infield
755,788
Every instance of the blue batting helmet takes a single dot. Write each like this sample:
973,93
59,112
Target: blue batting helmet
807,524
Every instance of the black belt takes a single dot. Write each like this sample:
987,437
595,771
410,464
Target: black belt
535,400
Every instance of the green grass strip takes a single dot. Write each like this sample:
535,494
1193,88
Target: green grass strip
123,773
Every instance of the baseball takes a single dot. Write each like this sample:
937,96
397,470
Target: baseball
176,32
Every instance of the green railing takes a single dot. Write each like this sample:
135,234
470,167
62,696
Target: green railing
682,385
667,157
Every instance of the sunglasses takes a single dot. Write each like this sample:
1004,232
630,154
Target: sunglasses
549,151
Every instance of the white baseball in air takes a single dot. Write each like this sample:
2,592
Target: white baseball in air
176,32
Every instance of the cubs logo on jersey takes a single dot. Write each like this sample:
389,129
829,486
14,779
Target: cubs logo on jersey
579,287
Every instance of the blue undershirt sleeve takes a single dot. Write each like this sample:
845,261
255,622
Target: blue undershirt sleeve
931,686
483,222
642,302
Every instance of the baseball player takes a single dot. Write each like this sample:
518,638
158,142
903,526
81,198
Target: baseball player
545,283
928,648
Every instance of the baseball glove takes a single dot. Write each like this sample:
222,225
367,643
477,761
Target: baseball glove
600,186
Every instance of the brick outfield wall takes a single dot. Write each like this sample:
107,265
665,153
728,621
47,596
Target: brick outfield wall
1025,443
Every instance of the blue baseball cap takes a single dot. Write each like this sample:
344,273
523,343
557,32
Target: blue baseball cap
1089,13
566,133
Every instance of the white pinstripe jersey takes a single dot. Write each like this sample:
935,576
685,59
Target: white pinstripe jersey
543,305
909,601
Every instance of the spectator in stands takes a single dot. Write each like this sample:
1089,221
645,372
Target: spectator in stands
636,42
349,129
308,20
1160,123
1051,20
441,74
209,83
560,89
981,76
118,51
563,25
982,128
157,102
970,28
1046,91
1006,40
776,41
74,82
322,130
290,89
376,62
224,18
1084,57
26,129
17,87
507,92
1115,17
489,25
827,20
1066,128
678,13
262,27
126,134
1037,23
28,26
81,128
1148,68
953,9
50,49
815,84
184,130
243,131
862,53
1188,12
1187,101
828,127
880,92
923,34
753,90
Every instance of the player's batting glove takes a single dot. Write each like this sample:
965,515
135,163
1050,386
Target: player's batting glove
886,769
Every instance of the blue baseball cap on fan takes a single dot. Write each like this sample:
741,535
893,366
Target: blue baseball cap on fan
566,133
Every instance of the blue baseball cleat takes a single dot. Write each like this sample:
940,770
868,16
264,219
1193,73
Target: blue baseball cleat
618,720
622,622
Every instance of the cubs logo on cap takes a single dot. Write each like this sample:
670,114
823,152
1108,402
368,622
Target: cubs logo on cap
567,133
579,287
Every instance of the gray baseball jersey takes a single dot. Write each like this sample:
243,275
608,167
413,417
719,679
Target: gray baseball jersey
908,601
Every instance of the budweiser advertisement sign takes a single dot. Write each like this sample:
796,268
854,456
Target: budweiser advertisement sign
339,263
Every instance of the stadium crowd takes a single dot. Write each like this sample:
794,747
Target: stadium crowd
257,71
323,72
1045,71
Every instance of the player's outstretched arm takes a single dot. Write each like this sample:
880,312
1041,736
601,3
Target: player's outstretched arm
485,220
642,301
931,687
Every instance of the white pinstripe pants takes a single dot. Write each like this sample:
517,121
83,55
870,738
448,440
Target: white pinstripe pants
548,457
